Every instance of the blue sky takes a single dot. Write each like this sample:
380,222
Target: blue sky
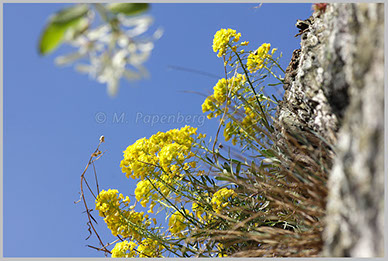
50,128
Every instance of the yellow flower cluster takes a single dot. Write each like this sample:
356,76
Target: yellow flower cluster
172,153
222,38
110,199
177,223
221,199
257,59
230,131
250,120
146,248
124,249
117,219
149,248
222,89
199,211
164,152
145,191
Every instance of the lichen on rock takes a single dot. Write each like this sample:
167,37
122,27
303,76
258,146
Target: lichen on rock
334,101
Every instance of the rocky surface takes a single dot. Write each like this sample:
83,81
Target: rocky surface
334,97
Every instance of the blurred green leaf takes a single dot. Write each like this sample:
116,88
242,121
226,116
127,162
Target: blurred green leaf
238,168
57,26
51,38
128,8
222,178
70,14
268,153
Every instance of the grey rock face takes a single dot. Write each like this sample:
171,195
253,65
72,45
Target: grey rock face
334,91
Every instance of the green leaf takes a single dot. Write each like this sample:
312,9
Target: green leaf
268,153
52,35
222,178
70,14
50,39
227,167
238,168
235,161
128,8
209,159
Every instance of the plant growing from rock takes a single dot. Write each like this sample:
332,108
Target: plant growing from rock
250,196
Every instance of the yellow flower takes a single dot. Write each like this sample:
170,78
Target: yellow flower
221,199
222,89
149,248
142,191
193,164
221,250
158,154
199,211
149,191
172,153
124,249
108,203
222,38
257,59
177,223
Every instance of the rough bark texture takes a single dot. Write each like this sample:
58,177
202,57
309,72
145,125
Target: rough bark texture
334,91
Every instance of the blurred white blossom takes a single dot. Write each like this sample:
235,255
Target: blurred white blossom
107,54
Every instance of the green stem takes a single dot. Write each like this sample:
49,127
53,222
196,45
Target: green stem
107,17
102,12
269,128
273,74
275,62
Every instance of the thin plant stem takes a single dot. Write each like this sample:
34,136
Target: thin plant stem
254,92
